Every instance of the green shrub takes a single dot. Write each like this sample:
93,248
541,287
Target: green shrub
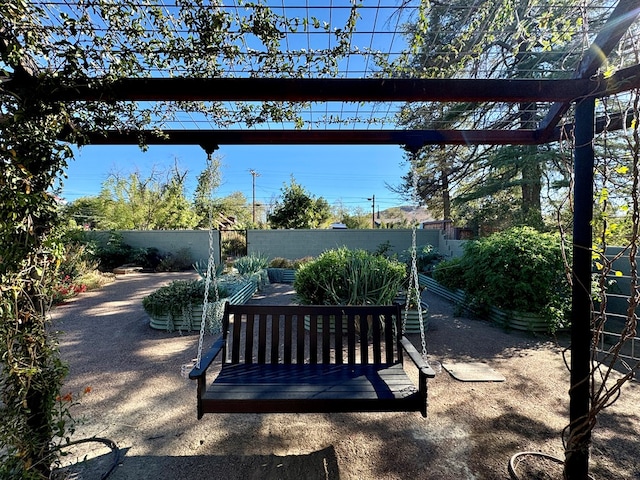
298,262
349,277
235,246
427,256
280,262
176,262
450,273
178,295
520,270
115,253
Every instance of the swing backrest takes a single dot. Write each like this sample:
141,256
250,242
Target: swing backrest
259,334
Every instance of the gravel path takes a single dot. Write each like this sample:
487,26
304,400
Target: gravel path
140,401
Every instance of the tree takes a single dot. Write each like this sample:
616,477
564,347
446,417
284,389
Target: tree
208,182
523,39
236,206
155,202
298,209
86,211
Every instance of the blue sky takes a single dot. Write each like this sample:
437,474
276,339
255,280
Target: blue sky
346,173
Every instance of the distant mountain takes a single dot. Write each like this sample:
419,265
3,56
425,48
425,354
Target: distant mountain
404,213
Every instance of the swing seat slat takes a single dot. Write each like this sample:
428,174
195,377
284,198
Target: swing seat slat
277,359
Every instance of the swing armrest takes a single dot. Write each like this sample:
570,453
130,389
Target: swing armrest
207,359
423,367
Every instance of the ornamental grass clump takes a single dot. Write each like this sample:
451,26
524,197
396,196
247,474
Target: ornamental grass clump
349,277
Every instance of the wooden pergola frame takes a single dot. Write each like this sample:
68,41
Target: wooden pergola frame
581,91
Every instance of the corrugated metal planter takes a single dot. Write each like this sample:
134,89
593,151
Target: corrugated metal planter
522,321
191,321
412,321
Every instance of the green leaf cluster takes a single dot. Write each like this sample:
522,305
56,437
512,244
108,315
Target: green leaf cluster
519,269
349,277
299,209
179,295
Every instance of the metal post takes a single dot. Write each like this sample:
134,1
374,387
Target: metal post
577,453
254,174
373,211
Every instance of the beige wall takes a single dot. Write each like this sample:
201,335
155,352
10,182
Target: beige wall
293,244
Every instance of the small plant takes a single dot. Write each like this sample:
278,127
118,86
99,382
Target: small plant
298,262
280,262
201,266
250,264
383,249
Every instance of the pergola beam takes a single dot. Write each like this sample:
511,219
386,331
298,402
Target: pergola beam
409,138
348,89
327,90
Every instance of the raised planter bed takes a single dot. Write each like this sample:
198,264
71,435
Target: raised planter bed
522,321
186,322
281,275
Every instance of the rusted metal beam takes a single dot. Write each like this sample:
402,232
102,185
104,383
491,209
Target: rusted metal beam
410,138
331,89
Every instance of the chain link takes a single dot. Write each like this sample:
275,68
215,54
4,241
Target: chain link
211,269
413,290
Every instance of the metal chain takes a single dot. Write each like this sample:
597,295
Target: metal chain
211,269
413,290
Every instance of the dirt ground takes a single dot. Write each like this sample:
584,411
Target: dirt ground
140,401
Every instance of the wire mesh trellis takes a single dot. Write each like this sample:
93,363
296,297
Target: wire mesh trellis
332,39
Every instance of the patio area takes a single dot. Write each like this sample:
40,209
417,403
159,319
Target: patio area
140,401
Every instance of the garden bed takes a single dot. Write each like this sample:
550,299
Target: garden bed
193,320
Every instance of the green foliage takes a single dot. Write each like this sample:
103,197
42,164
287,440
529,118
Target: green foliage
201,266
155,202
176,262
250,264
520,270
298,209
115,253
234,246
450,273
383,249
427,256
280,262
299,262
349,277
178,296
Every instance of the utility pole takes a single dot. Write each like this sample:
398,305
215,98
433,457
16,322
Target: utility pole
373,211
254,174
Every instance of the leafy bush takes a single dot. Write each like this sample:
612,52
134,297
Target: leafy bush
349,277
280,262
176,262
234,246
520,270
178,295
450,273
115,253
298,262
427,256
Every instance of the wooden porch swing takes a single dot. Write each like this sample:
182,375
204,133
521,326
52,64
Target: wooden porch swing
311,359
